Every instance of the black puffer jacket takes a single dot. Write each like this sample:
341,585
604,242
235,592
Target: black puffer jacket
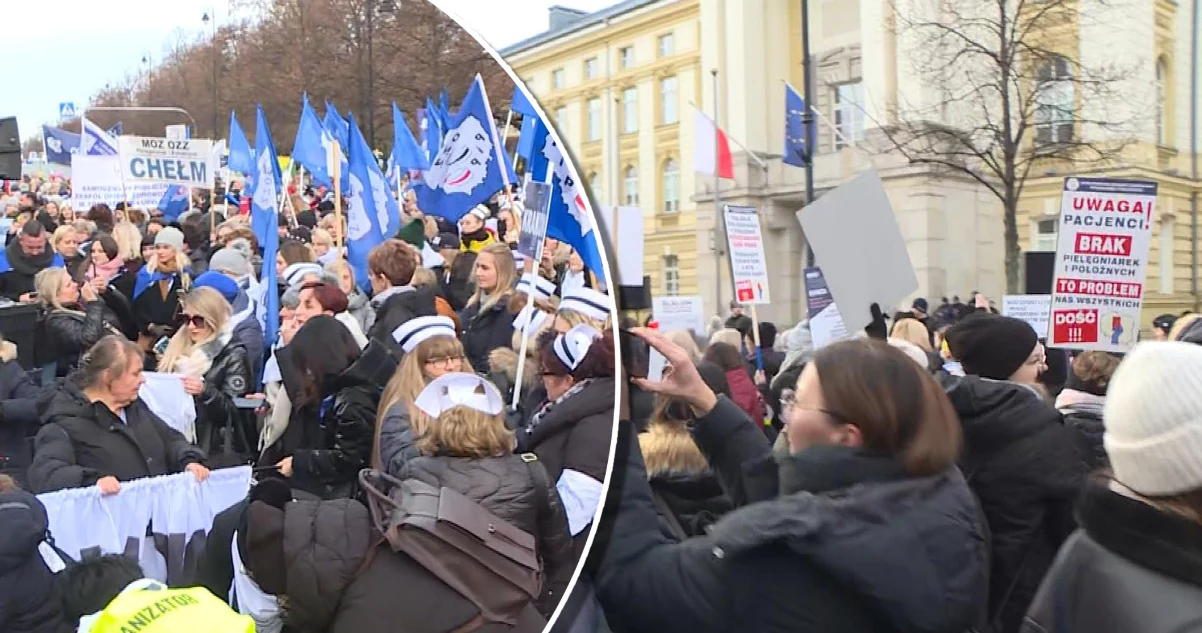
397,442
402,305
1024,466
1130,567
859,547
64,335
324,547
84,441
484,331
687,493
21,406
28,597
518,492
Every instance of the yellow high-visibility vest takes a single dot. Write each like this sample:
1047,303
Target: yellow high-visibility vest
157,609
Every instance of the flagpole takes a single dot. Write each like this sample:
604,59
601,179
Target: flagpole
719,221
336,161
496,141
807,118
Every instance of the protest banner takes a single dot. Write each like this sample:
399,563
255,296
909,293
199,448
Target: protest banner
97,180
1101,262
534,220
679,314
1030,308
860,248
188,162
826,325
162,522
748,267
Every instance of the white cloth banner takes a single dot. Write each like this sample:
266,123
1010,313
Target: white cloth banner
161,521
165,395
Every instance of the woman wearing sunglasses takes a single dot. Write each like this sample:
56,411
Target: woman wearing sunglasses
213,366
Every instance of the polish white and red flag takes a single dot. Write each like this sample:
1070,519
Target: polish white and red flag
711,148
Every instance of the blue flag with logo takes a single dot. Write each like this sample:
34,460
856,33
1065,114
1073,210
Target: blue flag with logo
174,202
241,159
406,153
313,147
97,142
468,167
337,125
265,221
60,145
433,128
371,211
569,220
798,139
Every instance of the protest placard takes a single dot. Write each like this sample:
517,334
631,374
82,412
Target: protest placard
679,313
534,220
1030,308
97,180
189,162
826,325
748,267
1101,262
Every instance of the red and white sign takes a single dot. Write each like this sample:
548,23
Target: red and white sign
748,267
1101,262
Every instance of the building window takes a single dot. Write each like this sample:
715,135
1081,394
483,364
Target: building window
1166,254
594,184
1054,104
667,101
557,78
561,119
1162,78
630,186
671,275
671,186
630,110
594,119
1046,234
626,56
666,45
848,113
590,68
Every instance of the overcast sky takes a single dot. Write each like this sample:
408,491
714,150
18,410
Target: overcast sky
70,53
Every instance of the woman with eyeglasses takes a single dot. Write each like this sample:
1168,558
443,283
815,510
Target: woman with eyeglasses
1021,460
866,524
213,367
430,350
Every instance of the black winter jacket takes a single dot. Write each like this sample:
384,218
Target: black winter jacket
228,377
65,335
151,307
29,600
17,278
83,441
399,307
1130,567
859,546
510,488
1024,466
397,441
485,331
21,406
1089,430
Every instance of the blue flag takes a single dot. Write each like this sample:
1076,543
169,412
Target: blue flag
174,202
468,167
337,125
97,142
116,129
569,220
371,211
444,98
313,147
60,145
241,159
433,127
521,103
406,153
6,266
265,221
798,139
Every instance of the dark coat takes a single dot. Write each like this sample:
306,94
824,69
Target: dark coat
228,377
64,335
151,307
1024,466
485,331
333,587
456,283
859,547
82,442
687,493
29,600
509,488
21,405
397,441
1130,567
1088,431
249,335
17,279
397,309
127,279
337,437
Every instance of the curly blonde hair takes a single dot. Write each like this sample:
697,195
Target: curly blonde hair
466,432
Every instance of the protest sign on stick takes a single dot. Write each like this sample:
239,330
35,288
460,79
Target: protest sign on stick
185,162
748,266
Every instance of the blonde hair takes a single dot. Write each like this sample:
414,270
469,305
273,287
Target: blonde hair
181,267
129,241
532,346
727,335
84,226
339,264
574,318
208,303
1180,324
47,283
409,380
912,331
322,236
684,339
59,234
465,432
507,276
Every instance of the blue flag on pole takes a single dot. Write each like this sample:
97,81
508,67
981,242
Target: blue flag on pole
406,153
521,103
798,139
97,142
314,146
264,221
569,220
467,169
337,125
371,210
434,129
174,202
60,145
241,159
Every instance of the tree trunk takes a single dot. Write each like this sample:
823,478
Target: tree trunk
1013,253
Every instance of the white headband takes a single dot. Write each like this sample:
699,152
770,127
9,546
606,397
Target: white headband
459,389
531,315
412,332
573,346
586,301
536,286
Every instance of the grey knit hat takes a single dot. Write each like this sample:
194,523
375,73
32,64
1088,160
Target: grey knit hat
232,261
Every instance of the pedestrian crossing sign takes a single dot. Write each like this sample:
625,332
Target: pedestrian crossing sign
66,110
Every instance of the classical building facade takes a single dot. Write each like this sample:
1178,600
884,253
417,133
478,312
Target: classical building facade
648,59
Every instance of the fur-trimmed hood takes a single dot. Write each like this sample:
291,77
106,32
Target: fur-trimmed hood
669,448
8,351
505,361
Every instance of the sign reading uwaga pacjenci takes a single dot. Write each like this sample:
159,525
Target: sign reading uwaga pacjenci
188,162
1101,261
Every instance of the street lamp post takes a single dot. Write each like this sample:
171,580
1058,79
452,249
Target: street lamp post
206,19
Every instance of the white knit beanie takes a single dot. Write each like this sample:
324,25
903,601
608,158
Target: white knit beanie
1153,419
